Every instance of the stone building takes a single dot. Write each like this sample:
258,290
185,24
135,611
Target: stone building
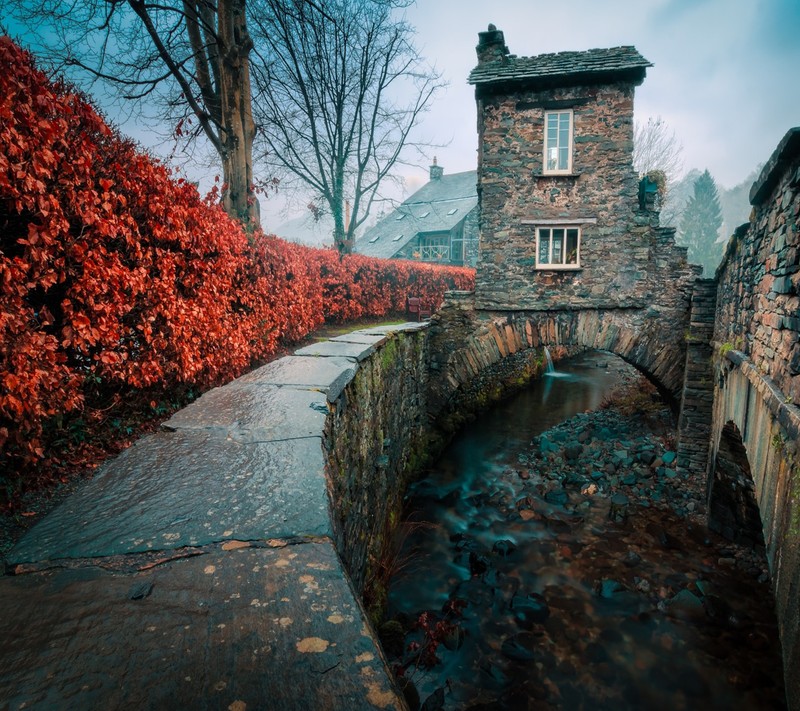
560,219
438,223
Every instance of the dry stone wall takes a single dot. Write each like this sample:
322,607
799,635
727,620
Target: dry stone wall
697,394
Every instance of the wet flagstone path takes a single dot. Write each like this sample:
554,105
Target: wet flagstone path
197,570
578,566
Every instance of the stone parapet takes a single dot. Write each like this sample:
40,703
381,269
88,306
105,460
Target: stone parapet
759,280
375,438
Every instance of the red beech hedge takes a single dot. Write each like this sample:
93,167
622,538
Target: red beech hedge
112,272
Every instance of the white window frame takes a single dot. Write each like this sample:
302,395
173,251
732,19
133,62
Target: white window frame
559,253
570,142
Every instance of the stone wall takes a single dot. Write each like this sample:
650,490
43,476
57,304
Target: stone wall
626,261
697,393
757,378
770,432
376,438
759,278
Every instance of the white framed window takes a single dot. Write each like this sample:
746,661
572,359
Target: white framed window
558,142
558,247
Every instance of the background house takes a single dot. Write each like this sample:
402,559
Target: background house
438,223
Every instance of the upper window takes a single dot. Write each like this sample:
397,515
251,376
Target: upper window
558,141
558,248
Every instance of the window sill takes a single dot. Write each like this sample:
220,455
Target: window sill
558,268
557,175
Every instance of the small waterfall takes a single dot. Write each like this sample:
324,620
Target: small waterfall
550,368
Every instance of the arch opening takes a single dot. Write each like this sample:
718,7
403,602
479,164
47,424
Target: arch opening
732,506
667,395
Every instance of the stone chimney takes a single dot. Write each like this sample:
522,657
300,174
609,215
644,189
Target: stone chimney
491,45
436,170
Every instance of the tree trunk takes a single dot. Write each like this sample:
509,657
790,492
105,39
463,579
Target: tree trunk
340,237
238,128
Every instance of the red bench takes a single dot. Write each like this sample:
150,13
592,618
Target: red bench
415,307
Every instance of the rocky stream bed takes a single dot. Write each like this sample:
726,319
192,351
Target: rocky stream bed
577,572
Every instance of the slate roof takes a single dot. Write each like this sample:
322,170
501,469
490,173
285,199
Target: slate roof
590,64
438,206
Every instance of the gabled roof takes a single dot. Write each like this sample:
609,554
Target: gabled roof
438,206
591,65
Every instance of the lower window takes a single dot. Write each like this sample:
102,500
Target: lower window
558,247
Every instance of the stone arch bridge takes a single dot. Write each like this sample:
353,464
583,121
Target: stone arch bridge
480,355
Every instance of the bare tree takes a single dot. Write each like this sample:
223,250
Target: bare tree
339,91
191,56
656,149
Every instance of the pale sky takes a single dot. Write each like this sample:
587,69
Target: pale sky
726,74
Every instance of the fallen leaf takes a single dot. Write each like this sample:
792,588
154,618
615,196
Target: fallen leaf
312,644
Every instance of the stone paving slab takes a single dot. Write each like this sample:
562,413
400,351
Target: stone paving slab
255,413
361,337
298,371
243,629
358,351
187,488
396,328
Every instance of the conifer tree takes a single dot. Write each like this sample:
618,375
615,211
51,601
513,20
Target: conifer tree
700,225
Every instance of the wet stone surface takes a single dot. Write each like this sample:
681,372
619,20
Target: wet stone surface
239,627
360,337
187,488
298,371
255,413
578,567
358,351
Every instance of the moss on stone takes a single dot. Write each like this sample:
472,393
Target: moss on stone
389,353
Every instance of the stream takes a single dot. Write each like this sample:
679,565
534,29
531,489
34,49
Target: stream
553,558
